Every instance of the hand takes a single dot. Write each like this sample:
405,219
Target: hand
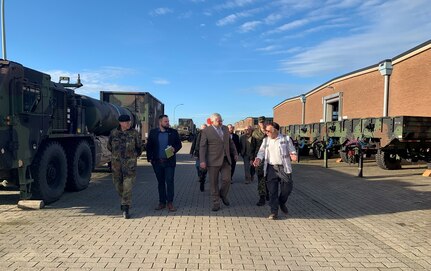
293,157
235,157
256,162
203,165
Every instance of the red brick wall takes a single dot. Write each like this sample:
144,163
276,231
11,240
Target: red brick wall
362,93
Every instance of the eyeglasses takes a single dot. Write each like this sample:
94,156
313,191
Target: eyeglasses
268,131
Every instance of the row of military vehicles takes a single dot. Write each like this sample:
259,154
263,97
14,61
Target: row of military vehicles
388,139
52,138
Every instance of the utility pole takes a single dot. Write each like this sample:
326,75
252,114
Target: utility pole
3,31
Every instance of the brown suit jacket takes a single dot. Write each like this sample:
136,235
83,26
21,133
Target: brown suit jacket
212,149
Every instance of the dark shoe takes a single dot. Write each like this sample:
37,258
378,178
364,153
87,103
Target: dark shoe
171,207
160,207
202,186
261,201
284,209
126,214
273,217
215,208
225,201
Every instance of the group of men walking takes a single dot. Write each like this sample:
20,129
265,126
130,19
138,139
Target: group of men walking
266,153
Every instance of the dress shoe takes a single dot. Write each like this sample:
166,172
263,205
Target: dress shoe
215,208
160,207
261,201
171,207
225,201
284,209
273,217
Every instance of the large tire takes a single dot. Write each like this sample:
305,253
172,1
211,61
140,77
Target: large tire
50,173
344,157
80,165
386,160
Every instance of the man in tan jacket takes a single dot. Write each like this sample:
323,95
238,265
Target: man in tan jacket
215,150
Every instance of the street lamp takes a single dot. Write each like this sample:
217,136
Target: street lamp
175,108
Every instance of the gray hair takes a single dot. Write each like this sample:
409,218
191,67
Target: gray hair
214,116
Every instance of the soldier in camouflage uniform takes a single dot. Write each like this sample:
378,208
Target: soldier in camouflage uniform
256,140
125,145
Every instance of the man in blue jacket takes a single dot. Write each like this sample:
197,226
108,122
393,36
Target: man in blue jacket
162,146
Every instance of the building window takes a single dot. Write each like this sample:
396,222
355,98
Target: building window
332,107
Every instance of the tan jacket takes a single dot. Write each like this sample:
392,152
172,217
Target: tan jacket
212,149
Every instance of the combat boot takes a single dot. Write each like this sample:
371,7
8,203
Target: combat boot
126,213
261,201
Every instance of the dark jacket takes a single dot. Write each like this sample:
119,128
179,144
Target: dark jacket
153,144
235,139
194,150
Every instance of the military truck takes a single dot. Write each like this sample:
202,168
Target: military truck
146,107
51,138
186,129
389,139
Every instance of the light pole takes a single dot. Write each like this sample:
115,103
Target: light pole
3,31
175,108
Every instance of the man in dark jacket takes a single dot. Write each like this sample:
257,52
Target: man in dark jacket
162,146
256,140
194,151
235,139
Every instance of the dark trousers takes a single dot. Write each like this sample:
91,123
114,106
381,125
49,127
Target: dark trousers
276,177
165,177
232,166
202,173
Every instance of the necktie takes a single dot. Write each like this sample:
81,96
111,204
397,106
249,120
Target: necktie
220,132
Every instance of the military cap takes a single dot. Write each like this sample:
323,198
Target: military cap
261,119
123,118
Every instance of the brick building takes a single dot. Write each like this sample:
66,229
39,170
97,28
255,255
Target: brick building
394,87
249,121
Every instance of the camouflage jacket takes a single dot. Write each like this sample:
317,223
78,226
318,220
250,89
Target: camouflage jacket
256,140
125,144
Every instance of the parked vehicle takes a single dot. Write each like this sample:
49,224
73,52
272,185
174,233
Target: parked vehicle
390,139
51,138
186,129
145,106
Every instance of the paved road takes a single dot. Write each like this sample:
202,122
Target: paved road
337,222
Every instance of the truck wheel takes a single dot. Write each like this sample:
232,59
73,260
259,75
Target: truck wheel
80,165
386,160
50,173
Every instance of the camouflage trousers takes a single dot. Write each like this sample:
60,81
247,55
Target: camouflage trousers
261,181
123,177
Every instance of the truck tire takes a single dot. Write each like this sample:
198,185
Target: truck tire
50,173
80,165
388,161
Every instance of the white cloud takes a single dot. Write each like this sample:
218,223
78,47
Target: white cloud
161,81
289,26
160,11
393,27
249,26
96,80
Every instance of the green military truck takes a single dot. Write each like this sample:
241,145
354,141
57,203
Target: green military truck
186,129
390,139
51,138
145,106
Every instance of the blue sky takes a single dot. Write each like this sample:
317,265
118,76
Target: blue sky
239,58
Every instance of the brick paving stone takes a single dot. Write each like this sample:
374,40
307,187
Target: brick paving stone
337,221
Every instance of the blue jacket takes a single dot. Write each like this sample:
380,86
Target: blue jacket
153,144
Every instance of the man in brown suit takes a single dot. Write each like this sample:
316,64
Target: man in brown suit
215,150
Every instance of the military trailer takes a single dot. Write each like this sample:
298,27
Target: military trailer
144,105
186,129
51,138
390,139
